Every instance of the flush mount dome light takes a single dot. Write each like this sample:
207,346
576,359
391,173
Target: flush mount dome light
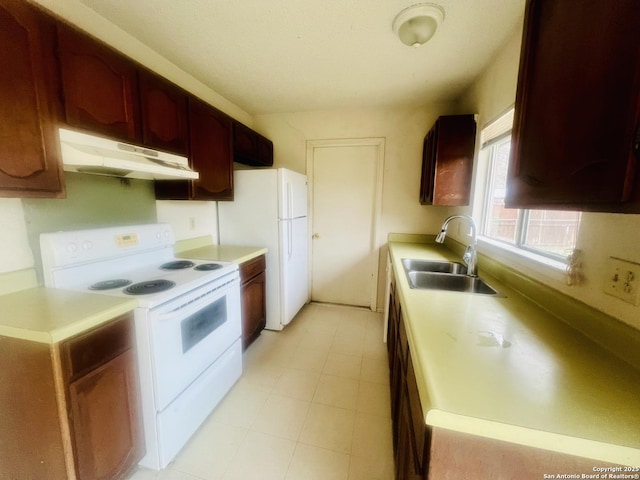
415,25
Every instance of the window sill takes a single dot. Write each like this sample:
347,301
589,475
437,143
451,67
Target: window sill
524,259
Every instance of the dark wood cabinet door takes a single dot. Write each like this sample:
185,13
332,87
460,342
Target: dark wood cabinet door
265,151
447,161
251,148
164,114
245,143
405,460
429,152
254,310
210,139
105,420
419,431
577,114
30,163
253,297
99,86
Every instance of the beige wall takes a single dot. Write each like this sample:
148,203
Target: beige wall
601,235
403,130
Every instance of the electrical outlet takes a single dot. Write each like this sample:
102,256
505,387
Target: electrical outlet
623,280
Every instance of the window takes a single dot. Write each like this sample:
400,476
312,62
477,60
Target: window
551,233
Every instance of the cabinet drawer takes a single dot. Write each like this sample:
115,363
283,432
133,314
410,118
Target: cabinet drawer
251,268
89,350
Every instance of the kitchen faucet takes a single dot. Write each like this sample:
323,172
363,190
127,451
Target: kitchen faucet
470,256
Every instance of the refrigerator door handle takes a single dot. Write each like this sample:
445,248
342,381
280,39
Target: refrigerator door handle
290,242
289,200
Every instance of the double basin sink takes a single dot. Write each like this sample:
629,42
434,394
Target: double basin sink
443,275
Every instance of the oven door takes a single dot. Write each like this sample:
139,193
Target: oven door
189,333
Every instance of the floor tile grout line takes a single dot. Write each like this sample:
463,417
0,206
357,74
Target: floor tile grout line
296,339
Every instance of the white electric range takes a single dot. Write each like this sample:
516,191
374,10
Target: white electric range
187,321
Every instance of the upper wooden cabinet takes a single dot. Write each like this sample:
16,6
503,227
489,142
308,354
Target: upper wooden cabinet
265,151
107,93
164,114
210,154
30,164
251,148
210,137
576,130
100,86
447,161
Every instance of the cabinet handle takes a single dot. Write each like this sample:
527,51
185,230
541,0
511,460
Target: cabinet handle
636,142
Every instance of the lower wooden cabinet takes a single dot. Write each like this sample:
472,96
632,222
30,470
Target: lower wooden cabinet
253,297
422,452
71,410
106,431
411,437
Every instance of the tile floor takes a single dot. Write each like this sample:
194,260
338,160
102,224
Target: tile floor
312,404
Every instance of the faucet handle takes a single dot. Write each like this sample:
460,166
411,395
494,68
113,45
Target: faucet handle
467,255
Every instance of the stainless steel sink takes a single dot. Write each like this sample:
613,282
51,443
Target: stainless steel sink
449,282
418,265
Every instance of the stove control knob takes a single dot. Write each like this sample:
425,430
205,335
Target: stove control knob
87,245
72,247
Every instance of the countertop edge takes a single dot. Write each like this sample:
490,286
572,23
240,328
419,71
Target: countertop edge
563,443
228,253
579,447
81,326
34,323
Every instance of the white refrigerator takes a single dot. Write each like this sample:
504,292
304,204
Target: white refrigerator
270,210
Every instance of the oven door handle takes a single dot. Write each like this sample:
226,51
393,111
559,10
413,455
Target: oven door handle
184,308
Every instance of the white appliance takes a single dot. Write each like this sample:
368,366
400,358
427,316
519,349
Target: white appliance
270,209
85,153
188,324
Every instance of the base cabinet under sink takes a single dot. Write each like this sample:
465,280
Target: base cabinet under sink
422,452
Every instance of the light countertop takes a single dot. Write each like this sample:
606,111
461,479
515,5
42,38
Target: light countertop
504,368
48,315
223,253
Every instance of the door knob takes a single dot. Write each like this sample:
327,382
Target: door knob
315,235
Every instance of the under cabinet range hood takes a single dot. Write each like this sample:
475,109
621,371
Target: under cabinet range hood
102,156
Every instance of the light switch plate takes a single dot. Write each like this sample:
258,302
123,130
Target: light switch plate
623,280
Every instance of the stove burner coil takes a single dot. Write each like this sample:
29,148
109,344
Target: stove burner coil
152,286
208,266
177,265
110,284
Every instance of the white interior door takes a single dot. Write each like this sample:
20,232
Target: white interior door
346,183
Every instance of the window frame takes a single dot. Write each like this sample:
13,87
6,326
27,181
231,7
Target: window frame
494,135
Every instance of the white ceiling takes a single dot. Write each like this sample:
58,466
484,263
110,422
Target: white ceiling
270,56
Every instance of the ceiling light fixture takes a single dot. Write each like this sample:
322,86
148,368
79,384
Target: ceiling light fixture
415,25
